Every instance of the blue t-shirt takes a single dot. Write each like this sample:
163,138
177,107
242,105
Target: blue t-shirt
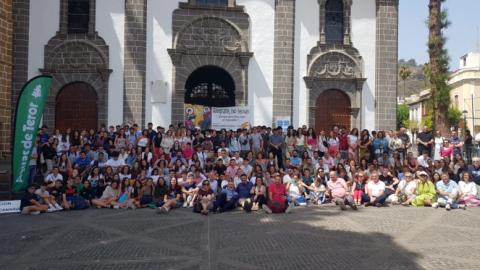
243,189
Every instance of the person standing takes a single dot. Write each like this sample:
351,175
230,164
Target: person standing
468,144
438,144
276,144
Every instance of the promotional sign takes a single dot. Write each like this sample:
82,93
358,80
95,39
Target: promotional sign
197,116
29,112
283,122
230,118
8,207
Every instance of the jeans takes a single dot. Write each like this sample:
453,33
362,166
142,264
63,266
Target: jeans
32,174
444,200
222,203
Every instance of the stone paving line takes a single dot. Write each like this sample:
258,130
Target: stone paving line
309,238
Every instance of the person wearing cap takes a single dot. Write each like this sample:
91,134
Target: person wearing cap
30,202
447,192
426,194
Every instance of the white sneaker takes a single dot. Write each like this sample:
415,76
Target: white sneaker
116,207
58,207
35,213
435,205
190,205
448,207
185,204
51,209
266,209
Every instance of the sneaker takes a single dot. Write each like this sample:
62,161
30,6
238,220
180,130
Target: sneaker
190,205
448,207
266,209
435,205
116,207
51,209
185,204
289,209
35,213
342,205
58,207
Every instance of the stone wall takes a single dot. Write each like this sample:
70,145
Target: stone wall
6,28
135,61
386,64
283,58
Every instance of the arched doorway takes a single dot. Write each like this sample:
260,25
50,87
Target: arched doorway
210,86
333,108
76,107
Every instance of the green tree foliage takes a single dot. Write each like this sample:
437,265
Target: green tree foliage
402,116
454,116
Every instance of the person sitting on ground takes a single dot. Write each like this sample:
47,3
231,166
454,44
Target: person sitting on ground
145,194
376,191
109,196
338,192
206,197
243,190
259,192
175,198
359,189
160,194
47,198
447,191
189,190
405,192
317,192
87,193
426,194
277,195
295,191
30,202
468,191
227,199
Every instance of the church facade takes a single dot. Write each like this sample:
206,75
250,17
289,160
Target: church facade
316,62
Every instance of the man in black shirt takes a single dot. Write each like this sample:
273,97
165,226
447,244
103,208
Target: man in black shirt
424,141
30,203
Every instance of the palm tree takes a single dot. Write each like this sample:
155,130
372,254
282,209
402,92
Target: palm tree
405,73
438,66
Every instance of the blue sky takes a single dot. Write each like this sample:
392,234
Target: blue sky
464,16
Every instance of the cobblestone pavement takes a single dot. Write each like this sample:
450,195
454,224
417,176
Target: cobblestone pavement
308,238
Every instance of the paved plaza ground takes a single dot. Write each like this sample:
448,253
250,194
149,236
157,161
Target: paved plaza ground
308,238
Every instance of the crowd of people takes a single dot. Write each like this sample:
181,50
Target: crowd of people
257,169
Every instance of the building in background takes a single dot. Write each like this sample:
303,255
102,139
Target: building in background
464,94
6,27
316,62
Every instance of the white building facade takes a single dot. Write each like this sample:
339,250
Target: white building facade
319,63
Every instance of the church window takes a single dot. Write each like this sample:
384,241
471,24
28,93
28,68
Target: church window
78,16
334,21
212,2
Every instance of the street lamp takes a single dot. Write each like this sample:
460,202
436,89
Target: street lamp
464,122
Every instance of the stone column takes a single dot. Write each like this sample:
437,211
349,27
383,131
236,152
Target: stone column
6,32
135,61
284,43
386,64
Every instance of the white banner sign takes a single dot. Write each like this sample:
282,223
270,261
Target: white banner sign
9,207
230,118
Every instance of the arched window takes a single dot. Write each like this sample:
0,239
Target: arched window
78,16
212,2
334,21
210,86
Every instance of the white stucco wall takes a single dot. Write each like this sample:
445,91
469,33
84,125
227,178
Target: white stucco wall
110,22
306,36
44,23
260,70
364,38
159,64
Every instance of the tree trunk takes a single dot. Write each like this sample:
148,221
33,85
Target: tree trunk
435,53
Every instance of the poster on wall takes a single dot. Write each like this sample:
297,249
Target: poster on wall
28,114
283,121
197,116
230,118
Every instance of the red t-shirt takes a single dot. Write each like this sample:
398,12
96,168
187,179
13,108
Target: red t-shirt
278,192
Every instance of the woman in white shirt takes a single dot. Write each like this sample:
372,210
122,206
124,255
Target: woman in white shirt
352,139
468,191
438,143
167,141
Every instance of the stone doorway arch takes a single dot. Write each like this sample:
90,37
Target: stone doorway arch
210,86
